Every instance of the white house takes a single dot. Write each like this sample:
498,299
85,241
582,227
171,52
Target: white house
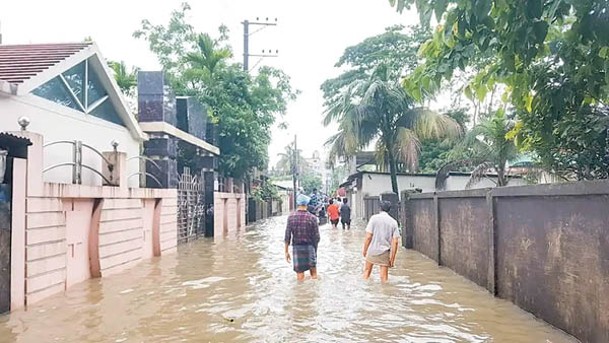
69,94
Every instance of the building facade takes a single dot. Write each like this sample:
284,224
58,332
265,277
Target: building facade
68,94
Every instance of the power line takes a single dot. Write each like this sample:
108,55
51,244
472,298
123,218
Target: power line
246,40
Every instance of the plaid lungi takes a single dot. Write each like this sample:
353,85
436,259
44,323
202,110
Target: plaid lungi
304,257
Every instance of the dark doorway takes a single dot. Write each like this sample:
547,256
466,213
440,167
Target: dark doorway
11,147
5,248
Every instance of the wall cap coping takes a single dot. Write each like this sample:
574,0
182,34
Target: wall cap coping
162,127
596,187
58,190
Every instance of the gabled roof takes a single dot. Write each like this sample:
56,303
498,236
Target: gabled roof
23,68
19,63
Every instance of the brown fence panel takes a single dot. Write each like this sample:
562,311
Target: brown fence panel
424,227
464,236
371,206
553,260
545,247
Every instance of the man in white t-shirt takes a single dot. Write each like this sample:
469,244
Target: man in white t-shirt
381,244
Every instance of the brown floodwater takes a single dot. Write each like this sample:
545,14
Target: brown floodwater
240,289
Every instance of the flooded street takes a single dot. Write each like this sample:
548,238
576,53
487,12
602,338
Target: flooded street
242,290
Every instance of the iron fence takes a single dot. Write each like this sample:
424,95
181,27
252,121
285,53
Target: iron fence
77,163
143,173
191,206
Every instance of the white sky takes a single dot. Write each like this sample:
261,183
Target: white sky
310,37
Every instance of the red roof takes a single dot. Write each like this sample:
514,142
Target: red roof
19,63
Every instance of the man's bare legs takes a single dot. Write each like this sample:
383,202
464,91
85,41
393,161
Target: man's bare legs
313,272
301,276
384,274
367,270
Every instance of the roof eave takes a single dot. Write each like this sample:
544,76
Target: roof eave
8,88
41,78
132,124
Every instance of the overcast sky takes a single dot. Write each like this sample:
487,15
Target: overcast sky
310,37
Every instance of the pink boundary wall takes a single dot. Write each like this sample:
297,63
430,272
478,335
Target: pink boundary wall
64,234
229,213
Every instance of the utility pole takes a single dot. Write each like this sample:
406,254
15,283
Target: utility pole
246,41
295,170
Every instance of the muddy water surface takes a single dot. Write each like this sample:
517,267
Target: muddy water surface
240,289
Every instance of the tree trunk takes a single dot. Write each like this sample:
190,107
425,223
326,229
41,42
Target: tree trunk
393,169
501,180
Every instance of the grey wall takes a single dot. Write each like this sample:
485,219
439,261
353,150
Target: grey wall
374,184
545,247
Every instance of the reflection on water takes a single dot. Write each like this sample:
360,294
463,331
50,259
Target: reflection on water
241,289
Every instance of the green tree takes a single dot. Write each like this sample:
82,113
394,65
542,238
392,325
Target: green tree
310,181
266,191
395,48
338,175
125,78
291,159
435,153
243,106
379,109
551,58
487,148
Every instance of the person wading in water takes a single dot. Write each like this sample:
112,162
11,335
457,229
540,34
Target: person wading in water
333,213
381,244
345,214
302,231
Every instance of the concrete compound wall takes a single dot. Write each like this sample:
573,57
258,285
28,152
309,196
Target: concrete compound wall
63,234
229,213
545,247
373,184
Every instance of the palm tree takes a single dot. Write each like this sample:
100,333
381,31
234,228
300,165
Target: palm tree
379,109
126,79
285,164
487,148
205,61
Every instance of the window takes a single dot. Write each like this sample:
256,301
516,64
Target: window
79,88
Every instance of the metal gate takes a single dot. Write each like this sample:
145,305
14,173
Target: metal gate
191,206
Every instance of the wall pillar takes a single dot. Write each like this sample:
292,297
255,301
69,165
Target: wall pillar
35,162
407,223
18,212
209,178
394,199
157,103
118,173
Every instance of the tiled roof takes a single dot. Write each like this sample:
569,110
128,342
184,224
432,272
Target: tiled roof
19,63
16,145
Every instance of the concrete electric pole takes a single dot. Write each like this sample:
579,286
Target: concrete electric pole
295,170
246,41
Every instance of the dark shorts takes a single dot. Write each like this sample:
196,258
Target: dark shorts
346,221
304,257
334,221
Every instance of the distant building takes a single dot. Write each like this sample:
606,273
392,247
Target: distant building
316,164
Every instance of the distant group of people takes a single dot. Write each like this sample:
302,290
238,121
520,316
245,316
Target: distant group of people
302,232
339,210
